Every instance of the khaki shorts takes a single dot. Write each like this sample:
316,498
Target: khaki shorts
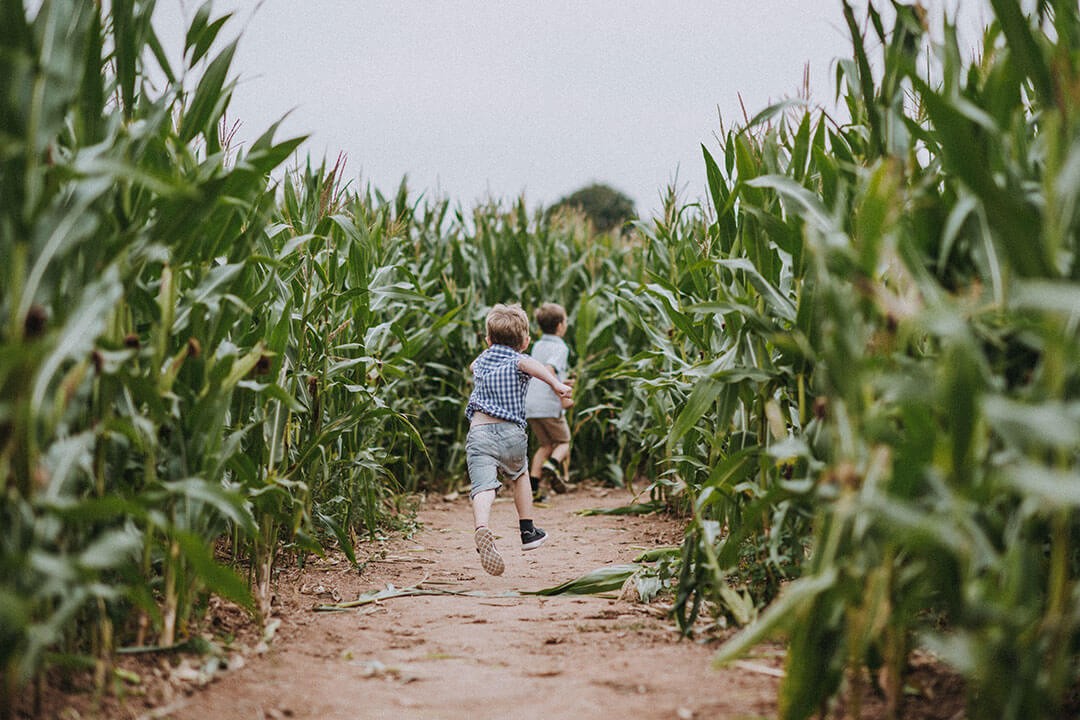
550,431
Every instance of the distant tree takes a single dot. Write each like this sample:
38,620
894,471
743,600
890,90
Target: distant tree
604,206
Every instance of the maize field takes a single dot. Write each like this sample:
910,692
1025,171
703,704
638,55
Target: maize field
854,370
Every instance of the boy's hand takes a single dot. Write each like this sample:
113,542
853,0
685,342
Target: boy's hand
566,402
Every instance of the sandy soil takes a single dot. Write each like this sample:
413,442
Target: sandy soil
451,657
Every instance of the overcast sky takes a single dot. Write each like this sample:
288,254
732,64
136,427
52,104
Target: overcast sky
478,99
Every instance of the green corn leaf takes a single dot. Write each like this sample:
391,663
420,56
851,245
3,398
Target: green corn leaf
238,370
1049,488
198,26
799,594
162,58
111,550
805,204
669,552
64,461
216,578
1048,424
1061,298
344,541
81,330
697,404
92,89
800,151
125,51
606,579
93,510
202,33
266,158
15,621
275,392
718,191
728,473
1024,47
776,300
208,102
59,232
776,111
958,216
967,136
229,504
865,83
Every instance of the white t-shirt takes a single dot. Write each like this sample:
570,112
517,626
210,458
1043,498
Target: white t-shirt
540,400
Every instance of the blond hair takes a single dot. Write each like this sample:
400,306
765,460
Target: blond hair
508,325
549,315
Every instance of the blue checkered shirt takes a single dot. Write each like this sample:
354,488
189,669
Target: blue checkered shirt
499,389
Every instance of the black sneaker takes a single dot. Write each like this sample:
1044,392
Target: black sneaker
490,559
532,539
539,497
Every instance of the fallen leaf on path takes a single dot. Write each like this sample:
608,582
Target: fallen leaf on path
321,591
633,509
376,669
758,668
426,561
391,592
605,579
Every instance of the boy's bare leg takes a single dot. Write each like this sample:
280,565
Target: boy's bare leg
522,497
560,454
532,537
539,458
490,559
560,457
481,507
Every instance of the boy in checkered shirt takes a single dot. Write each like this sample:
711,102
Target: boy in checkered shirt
497,442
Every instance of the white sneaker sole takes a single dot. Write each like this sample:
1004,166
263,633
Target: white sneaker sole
490,559
535,543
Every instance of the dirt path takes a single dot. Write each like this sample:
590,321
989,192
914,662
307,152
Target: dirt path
452,657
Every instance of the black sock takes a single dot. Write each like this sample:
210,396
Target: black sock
525,525
535,482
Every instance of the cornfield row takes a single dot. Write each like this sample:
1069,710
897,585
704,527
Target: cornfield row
855,372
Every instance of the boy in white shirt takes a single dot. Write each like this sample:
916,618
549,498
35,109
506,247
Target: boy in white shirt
546,411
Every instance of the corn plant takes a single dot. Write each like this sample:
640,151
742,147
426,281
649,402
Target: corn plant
443,270
854,364
938,237
127,232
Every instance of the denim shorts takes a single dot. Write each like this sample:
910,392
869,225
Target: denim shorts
494,448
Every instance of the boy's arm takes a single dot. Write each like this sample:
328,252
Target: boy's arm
540,371
566,381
